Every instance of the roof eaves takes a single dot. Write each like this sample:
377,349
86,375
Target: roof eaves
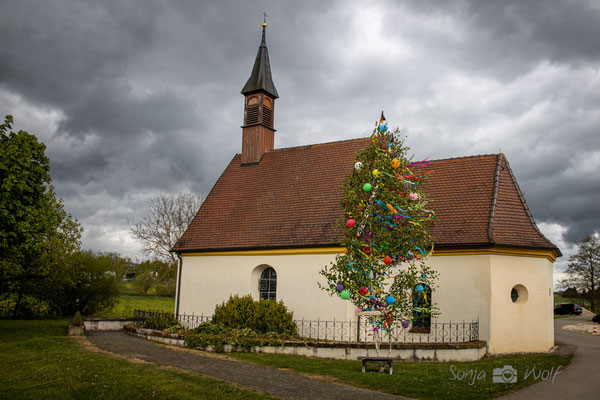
494,200
526,207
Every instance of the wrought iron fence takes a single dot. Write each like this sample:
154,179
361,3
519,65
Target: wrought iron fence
358,330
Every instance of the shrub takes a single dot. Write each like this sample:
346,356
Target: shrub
217,336
77,319
143,282
30,308
166,289
160,321
86,281
261,316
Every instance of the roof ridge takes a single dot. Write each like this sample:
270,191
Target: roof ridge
494,199
317,144
463,157
524,204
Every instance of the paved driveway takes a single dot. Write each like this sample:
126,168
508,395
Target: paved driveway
581,380
278,383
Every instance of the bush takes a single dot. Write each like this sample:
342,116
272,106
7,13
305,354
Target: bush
166,289
262,316
77,319
30,308
217,336
160,321
86,281
143,282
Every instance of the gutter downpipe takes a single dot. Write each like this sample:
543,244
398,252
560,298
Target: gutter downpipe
178,284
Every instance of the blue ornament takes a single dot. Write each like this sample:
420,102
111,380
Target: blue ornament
340,287
419,288
390,300
383,127
405,324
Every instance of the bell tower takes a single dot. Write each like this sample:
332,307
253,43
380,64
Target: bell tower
258,135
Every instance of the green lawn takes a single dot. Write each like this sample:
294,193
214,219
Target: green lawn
39,361
130,300
422,380
128,303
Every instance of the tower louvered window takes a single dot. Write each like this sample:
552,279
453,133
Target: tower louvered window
252,115
267,116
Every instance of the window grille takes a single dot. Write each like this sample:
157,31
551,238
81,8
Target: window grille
422,307
514,295
267,284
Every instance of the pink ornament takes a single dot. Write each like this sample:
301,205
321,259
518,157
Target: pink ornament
350,223
413,196
357,311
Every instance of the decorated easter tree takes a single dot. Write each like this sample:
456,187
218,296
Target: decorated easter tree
387,235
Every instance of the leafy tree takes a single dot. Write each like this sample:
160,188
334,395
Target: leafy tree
157,274
583,270
86,281
35,230
387,235
164,222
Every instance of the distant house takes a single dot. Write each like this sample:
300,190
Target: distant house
267,228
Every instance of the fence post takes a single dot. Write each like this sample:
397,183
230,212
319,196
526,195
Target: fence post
358,329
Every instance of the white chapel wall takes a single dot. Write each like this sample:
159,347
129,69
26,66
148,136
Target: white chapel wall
469,287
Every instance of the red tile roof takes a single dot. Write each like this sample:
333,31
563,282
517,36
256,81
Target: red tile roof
291,199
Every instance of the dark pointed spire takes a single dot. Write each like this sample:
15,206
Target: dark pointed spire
261,79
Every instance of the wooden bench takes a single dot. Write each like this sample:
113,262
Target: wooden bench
382,361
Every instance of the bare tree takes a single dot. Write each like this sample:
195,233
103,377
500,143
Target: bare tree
164,222
583,271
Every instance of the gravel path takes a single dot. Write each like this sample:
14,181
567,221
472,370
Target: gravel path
281,384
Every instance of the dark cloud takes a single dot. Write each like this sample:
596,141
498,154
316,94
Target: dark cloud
134,99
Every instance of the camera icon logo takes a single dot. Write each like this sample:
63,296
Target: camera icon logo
506,374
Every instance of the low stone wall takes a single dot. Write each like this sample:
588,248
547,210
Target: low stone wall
106,324
469,351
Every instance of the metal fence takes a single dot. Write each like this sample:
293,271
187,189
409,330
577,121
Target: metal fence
358,330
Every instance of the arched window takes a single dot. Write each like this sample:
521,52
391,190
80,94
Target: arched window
267,284
422,308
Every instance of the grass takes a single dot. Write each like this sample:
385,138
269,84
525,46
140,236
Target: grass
130,299
422,380
39,361
128,303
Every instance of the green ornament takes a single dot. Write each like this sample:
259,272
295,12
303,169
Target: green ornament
345,294
367,187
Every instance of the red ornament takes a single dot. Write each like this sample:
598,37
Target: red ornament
367,250
363,291
351,222
387,260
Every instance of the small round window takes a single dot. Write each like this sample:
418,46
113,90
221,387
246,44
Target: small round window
519,294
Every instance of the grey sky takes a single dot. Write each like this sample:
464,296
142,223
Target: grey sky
135,98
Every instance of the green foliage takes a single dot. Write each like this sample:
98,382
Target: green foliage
583,270
217,336
143,282
77,319
86,281
160,321
388,237
35,231
155,274
166,289
30,308
261,316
